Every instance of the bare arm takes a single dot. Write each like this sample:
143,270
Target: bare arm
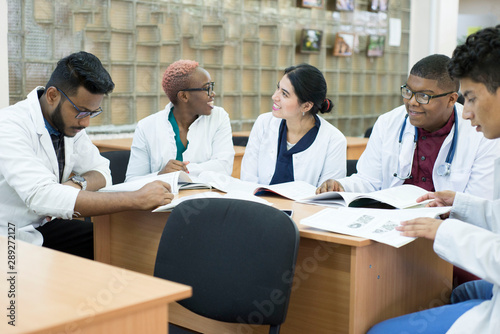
95,181
152,195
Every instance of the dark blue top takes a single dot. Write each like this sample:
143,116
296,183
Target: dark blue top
284,162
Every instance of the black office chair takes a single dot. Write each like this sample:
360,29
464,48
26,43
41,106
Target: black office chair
368,132
240,141
351,167
118,162
236,255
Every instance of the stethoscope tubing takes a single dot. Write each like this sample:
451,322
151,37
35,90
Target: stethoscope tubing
451,153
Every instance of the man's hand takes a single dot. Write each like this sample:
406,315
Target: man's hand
420,227
440,198
153,195
329,185
174,166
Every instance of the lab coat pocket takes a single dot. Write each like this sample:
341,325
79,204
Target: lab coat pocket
458,180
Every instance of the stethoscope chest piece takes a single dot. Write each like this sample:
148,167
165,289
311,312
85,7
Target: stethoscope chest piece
444,169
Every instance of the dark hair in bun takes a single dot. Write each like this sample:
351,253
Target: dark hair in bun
310,86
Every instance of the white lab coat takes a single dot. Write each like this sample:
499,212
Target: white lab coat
29,173
324,159
471,168
470,240
210,145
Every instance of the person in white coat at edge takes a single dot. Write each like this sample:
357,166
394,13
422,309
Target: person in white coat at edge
190,134
469,237
293,143
43,142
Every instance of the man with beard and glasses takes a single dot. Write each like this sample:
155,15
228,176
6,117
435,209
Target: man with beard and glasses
49,168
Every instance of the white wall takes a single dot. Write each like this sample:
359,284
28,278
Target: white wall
477,13
480,7
433,28
4,68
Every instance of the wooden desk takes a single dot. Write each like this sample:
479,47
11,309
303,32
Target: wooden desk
62,293
117,144
241,133
342,284
355,147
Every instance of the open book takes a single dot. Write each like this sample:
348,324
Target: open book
399,197
210,194
374,224
177,180
295,190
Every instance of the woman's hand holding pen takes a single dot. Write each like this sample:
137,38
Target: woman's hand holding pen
174,166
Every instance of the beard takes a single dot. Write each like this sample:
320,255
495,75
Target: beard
57,119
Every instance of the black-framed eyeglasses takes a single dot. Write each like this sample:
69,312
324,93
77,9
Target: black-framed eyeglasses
209,89
81,114
421,98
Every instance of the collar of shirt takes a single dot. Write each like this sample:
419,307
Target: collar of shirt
51,129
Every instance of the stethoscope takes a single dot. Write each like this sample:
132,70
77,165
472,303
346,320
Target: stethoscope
443,169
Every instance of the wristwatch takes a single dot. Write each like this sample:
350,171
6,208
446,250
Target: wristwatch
80,180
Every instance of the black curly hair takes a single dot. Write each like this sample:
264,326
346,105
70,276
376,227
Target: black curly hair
478,59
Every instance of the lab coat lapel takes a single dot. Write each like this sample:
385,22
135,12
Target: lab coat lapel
406,151
43,133
69,158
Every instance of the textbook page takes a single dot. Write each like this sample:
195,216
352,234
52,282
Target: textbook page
210,194
399,197
374,224
294,190
170,178
176,201
217,180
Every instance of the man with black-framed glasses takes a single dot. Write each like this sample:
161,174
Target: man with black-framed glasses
425,142
49,168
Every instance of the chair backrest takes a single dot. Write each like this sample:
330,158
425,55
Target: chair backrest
351,167
240,141
118,162
238,256
368,132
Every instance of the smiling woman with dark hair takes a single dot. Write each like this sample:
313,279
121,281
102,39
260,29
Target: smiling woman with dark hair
293,143
190,134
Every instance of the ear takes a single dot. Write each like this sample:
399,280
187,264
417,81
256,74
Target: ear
182,96
306,106
453,99
52,96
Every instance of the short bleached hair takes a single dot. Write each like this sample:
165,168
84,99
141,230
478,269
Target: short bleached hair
176,77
